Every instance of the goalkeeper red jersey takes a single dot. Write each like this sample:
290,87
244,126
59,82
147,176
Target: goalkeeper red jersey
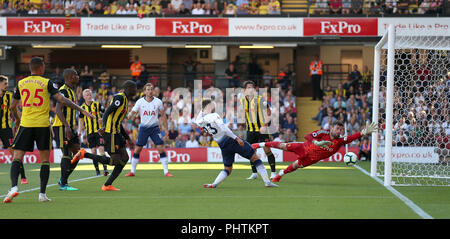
317,153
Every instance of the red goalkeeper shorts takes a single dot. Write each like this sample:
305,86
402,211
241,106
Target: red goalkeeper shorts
302,152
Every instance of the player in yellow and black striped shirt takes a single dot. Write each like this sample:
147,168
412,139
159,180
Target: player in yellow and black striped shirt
6,132
64,129
256,123
114,135
91,126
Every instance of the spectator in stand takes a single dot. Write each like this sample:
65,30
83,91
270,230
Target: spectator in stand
253,7
86,77
131,10
346,6
274,7
354,77
315,71
263,8
44,10
209,10
121,10
321,7
190,69
21,11
98,9
169,10
70,10
424,7
105,79
179,142
176,4
402,6
219,6
232,76
183,10
230,9
143,77
10,9
85,10
198,10
357,6
242,9
188,4
192,142
389,6
290,124
33,11
413,6
164,4
143,10
335,6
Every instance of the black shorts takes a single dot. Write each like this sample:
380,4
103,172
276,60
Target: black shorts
257,137
114,142
60,137
7,137
95,140
26,136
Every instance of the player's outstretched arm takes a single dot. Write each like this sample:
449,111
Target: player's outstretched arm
323,144
63,100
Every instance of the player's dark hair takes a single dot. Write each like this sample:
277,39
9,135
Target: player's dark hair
69,72
205,103
248,83
3,78
36,62
338,122
128,83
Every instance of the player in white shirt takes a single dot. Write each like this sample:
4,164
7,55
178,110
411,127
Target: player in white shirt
148,108
229,144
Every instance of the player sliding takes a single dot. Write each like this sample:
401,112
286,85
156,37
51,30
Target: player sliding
319,145
229,144
148,108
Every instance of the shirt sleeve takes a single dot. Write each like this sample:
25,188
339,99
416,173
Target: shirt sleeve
136,107
52,89
351,138
16,93
223,127
161,106
116,103
315,135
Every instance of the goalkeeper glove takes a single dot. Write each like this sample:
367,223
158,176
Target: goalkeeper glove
370,128
323,144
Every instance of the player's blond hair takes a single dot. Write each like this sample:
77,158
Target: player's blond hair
148,85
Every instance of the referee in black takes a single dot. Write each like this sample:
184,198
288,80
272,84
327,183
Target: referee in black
253,105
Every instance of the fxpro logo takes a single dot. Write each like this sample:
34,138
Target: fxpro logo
192,27
172,156
339,27
42,27
5,157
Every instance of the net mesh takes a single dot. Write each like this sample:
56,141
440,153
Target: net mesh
421,112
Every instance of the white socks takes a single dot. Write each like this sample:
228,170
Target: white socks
261,170
222,176
134,162
281,173
165,163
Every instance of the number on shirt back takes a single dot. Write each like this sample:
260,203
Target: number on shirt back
209,129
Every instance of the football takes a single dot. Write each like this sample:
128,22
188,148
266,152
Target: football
350,158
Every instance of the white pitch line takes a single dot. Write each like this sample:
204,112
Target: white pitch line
419,211
51,185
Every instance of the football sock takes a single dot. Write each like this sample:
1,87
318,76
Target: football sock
65,167
22,170
14,173
95,165
115,173
289,169
44,174
261,170
164,161
273,144
99,158
271,160
72,168
222,176
252,164
134,162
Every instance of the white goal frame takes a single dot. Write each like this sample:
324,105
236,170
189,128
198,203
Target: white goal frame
388,41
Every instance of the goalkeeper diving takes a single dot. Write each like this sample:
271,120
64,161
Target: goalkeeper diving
319,145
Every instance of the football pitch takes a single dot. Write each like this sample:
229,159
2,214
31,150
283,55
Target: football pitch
321,191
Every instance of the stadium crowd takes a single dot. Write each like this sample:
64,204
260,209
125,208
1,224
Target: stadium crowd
211,7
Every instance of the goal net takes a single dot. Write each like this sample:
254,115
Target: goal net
411,94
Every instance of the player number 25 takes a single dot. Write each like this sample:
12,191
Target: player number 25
209,129
27,94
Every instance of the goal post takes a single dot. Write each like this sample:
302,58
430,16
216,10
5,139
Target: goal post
411,105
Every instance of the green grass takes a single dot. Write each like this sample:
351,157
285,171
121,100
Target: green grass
323,191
